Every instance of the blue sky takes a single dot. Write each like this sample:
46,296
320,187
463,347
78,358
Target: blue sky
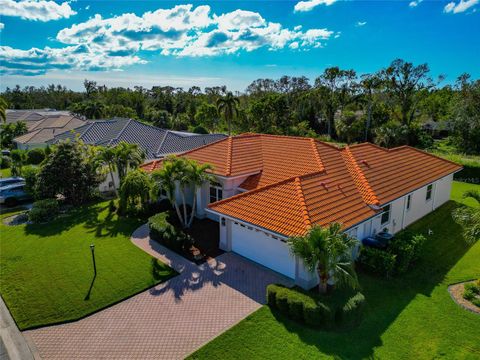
127,43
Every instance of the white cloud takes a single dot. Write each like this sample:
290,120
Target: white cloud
459,7
2,26
87,7
112,43
360,23
414,3
308,5
40,10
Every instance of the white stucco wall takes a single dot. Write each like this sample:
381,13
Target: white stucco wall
106,185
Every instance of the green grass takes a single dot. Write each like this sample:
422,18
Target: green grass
411,317
5,173
46,272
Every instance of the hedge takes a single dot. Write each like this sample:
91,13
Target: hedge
377,261
163,231
314,310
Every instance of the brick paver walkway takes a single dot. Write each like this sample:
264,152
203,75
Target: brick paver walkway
168,321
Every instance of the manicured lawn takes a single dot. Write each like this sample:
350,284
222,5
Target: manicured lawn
412,317
5,173
46,272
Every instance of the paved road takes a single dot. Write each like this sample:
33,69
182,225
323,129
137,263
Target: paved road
168,321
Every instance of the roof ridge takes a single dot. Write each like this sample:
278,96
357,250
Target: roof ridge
229,156
359,178
303,205
203,146
316,154
122,131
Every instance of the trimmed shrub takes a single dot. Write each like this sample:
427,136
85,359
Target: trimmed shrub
165,233
6,162
407,247
43,211
312,315
295,308
351,313
281,301
377,261
272,295
35,156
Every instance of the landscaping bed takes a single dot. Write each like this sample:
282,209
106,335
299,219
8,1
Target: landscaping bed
199,243
458,293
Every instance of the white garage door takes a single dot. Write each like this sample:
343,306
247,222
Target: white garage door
263,249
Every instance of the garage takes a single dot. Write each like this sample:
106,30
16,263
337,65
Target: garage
264,249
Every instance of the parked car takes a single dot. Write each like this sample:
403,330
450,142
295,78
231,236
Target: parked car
12,194
6,152
11,181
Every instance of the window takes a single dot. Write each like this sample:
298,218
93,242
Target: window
429,192
409,201
386,214
216,193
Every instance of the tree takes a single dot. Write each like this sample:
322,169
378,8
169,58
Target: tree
128,157
19,158
30,174
8,132
335,88
228,105
3,108
197,176
135,192
107,156
207,115
68,171
469,218
369,84
329,252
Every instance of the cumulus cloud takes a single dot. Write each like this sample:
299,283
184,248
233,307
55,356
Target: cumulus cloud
414,3
456,8
2,25
309,5
38,10
360,23
184,30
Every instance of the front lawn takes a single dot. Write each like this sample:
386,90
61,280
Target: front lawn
46,271
411,317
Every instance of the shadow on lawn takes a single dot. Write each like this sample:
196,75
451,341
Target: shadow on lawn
387,298
92,218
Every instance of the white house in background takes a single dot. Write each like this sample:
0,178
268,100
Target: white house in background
271,187
155,142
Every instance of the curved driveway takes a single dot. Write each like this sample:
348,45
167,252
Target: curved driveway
168,321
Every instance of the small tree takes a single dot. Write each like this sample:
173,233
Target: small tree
128,157
197,175
35,156
19,158
107,157
327,251
469,218
68,171
228,105
135,192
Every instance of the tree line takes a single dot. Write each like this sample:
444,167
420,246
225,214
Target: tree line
389,107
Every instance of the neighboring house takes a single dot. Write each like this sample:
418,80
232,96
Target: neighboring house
269,188
155,142
31,117
42,131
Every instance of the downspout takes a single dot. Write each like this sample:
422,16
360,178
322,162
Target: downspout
405,210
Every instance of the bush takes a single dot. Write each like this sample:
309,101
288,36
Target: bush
351,313
377,261
165,233
6,162
199,129
43,211
35,156
314,310
30,174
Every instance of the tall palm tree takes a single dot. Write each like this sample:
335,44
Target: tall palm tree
129,156
107,156
3,110
369,84
197,176
229,106
327,251
166,177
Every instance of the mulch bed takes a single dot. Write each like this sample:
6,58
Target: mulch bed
456,292
17,219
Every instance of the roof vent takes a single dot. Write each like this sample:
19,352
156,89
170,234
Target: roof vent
364,162
324,184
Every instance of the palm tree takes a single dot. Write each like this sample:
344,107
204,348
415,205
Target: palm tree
3,108
197,176
369,83
327,251
129,156
166,177
469,218
229,106
107,156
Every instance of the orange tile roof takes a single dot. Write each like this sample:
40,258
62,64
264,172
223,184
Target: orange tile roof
295,182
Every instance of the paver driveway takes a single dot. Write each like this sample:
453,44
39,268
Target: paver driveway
168,321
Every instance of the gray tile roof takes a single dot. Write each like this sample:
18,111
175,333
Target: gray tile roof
156,142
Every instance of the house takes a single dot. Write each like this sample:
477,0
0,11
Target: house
31,117
42,130
155,142
269,188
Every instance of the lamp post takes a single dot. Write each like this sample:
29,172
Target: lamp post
92,247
